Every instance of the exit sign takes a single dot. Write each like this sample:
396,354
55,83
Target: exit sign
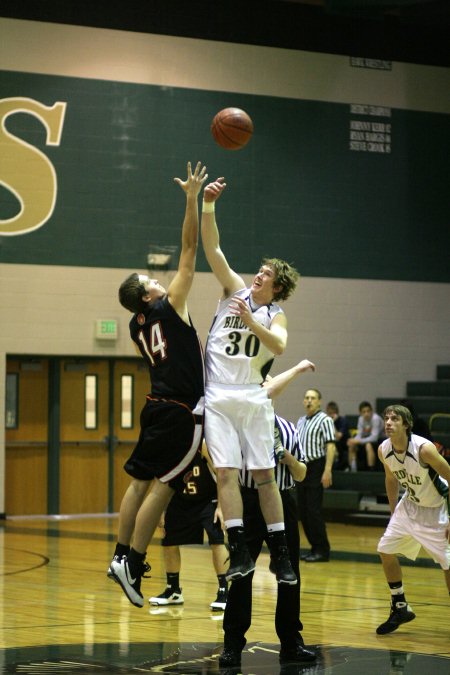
106,329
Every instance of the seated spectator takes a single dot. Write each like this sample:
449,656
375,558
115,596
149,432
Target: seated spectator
342,434
420,426
369,433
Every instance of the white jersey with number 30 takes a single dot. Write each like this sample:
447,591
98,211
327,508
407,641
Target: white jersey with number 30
234,354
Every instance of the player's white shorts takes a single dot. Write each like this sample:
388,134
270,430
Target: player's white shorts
405,534
239,426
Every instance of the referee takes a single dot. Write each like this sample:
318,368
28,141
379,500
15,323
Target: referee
315,434
237,618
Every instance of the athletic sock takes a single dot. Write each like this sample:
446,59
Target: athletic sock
121,549
233,522
173,580
135,560
277,541
235,535
223,583
397,592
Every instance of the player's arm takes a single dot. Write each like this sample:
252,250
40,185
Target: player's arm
181,283
277,384
391,483
296,468
162,521
274,338
218,517
228,279
430,455
207,457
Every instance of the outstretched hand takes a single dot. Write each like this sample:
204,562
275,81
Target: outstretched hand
305,365
194,182
213,190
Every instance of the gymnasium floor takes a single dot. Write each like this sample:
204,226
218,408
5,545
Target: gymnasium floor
60,614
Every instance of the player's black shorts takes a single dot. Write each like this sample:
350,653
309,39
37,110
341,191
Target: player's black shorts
185,521
170,436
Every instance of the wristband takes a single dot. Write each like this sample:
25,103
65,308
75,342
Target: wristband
208,207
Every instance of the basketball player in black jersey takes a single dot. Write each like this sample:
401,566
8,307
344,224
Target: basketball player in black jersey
172,418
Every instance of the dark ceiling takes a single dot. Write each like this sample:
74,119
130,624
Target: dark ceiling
414,31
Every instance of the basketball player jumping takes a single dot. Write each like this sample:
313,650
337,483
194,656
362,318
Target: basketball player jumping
171,420
249,329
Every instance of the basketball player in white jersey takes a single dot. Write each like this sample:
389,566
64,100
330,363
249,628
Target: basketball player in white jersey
421,516
249,329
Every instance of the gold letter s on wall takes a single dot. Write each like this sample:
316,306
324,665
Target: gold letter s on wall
26,171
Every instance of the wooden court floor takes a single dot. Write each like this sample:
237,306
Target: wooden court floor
59,613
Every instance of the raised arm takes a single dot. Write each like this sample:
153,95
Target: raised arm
277,384
181,283
228,279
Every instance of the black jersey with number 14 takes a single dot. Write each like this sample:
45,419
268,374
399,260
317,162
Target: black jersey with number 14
172,351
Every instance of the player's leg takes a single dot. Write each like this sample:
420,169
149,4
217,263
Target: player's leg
172,427
400,610
269,496
447,579
130,570
149,514
238,611
130,505
391,567
257,438
231,504
224,447
172,561
220,560
272,510
435,540
172,594
211,525
230,494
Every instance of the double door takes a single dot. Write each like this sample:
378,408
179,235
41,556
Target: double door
75,422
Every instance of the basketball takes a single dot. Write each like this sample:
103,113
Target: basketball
232,128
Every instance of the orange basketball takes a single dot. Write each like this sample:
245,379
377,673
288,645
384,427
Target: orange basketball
232,128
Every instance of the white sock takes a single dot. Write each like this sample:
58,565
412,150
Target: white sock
233,522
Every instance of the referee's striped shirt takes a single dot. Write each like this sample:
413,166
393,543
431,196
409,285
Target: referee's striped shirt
285,431
313,433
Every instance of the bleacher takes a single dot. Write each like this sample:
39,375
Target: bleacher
359,496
